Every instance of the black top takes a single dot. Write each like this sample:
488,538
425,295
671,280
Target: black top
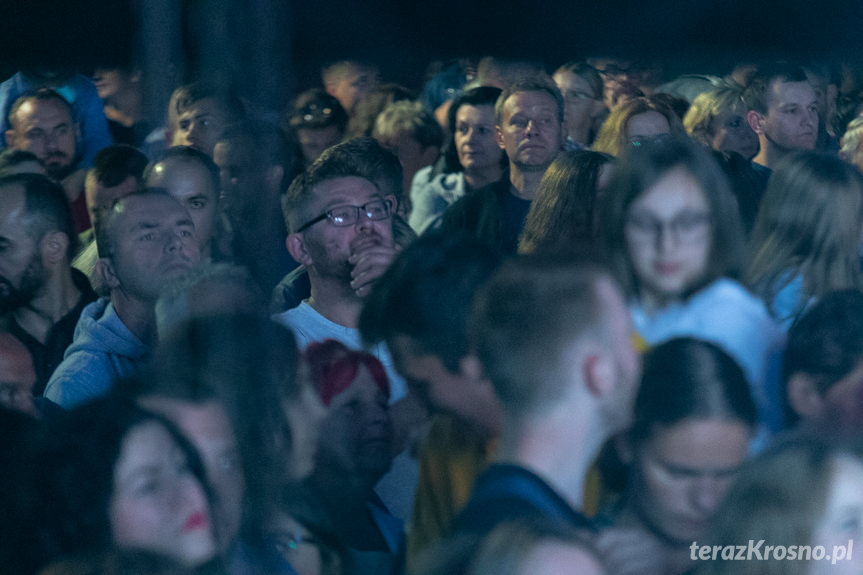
47,356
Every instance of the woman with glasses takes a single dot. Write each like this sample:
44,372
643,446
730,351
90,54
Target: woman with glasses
636,122
807,236
673,235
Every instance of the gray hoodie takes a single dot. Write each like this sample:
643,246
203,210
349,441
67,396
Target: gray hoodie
102,352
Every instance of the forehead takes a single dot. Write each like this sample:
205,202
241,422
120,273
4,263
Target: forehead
172,171
676,190
137,209
482,113
348,190
781,93
43,111
144,445
534,101
205,106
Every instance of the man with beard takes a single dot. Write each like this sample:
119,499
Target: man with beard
42,122
529,127
146,240
41,295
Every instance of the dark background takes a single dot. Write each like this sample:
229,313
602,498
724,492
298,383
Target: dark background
286,42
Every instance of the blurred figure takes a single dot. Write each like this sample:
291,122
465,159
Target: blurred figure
565,212
717,118
581,86
441,89
503,72
121,92
20,162
851,144
371,105
798,495
17,377
318,121
410,133
681,456
115,475
635,123
822,366
807,236
355,449
348,81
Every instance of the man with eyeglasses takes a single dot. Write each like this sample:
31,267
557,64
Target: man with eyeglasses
340,229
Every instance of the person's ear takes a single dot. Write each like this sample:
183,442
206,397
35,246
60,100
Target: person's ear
598,372
756,121
54,247
297,248
106,274
804,398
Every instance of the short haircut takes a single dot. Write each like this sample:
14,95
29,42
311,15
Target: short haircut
826,344
112,165
689,378
756,93
408,116
539,83
269,144
46,207
39,95
530,311
10,158
427,294
640,169
587,73
105,219
479,96
315,110
361,157
188,95
187,154
700,120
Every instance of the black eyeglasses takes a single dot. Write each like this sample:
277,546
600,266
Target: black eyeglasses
342,216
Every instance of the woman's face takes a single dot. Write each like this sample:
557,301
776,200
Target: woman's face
842,520
646,126
682,472
668,237
158,504
357,433
474,136
730,132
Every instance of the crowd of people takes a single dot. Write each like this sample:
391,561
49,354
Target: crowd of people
586,320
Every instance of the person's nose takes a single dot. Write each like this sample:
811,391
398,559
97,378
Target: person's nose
665,237
706,493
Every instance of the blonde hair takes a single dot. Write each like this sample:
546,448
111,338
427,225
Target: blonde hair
707,106
809,224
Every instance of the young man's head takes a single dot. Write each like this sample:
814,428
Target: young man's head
191,177
37,237
822,366
197,114
348,81
782,110
412,134
420,308
553,332
146,240
42,122
581,87
117,171
529,116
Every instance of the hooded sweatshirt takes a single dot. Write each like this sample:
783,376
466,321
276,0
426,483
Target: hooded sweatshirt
102,352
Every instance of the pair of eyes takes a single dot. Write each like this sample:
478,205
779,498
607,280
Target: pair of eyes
153,236
480,129
39,134
522,122
185,125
